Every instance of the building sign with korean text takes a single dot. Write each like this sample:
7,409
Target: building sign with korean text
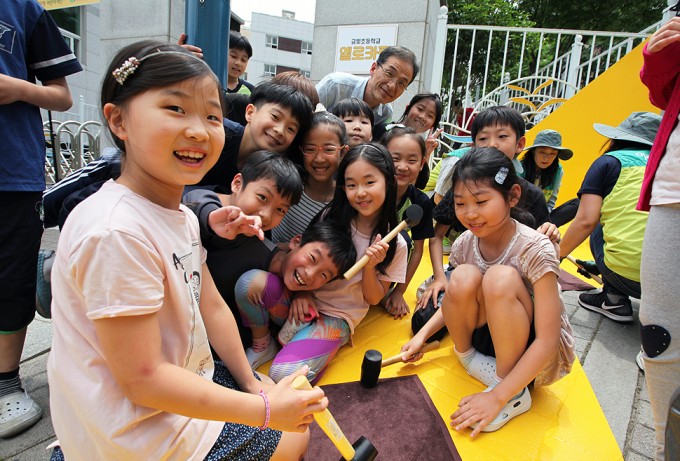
57,4
357,47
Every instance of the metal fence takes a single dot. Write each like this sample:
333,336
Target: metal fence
535,69
75,145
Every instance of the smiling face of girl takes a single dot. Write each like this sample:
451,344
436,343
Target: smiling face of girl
173,135
422,115
321,153
365,190
483,209
408,160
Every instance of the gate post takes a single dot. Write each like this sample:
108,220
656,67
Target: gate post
574,61
439,51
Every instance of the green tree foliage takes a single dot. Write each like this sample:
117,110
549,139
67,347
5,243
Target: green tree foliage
605,15
619,15
488,12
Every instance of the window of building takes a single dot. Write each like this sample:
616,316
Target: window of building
69,21
306,48
272,42
269,70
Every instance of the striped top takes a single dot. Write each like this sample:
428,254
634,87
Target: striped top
297,219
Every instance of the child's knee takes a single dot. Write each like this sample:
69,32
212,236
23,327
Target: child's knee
465,280
501,281
261,288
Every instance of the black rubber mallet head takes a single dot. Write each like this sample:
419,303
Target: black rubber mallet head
413,215
373,363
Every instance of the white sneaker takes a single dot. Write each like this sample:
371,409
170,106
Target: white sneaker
258,358
514,407
640,360
18,412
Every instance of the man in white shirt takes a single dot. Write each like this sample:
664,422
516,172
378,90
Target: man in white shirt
394,70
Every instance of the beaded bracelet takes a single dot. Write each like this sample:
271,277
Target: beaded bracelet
267,412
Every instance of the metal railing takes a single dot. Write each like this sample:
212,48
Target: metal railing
485,57
81,111
76,145
72,40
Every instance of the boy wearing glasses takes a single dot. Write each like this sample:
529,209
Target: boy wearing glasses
389,77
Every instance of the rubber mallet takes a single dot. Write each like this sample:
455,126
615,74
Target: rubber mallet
590,274
413,215
361,450
373,363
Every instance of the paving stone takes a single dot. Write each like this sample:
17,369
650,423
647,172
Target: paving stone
642,440
584,332
634,456
613,374
580,346
585,317
644,413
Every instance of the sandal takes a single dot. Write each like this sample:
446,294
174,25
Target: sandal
514,407
18,412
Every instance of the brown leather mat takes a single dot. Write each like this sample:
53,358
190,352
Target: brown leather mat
397,417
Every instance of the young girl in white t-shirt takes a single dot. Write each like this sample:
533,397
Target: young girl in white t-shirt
131,373
502,306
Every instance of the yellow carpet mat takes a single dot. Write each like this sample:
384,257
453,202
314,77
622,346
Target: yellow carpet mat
565,421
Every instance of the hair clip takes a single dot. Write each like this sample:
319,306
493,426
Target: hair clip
502,174
124,71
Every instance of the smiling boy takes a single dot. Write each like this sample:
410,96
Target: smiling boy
322,253
240,52
276,116
267,187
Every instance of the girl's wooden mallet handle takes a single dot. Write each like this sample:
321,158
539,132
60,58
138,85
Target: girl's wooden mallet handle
364,259
397,358
594,277
327,423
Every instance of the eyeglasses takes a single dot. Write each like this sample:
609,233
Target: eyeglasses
391,77
329,151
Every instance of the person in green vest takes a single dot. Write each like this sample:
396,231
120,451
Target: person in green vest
606,213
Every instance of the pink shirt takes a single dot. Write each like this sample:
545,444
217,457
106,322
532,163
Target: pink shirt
121,255
344,298
532,255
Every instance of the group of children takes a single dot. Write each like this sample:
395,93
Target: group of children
165,296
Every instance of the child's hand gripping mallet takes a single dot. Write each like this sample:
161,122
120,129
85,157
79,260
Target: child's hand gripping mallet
585,271
373,363
413,215
362,450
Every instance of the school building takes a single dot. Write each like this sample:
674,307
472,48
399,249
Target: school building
340,39
280,44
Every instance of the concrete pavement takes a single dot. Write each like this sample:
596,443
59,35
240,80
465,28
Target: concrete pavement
606,350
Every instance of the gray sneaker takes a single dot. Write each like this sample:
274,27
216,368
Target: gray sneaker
621,312
640,360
